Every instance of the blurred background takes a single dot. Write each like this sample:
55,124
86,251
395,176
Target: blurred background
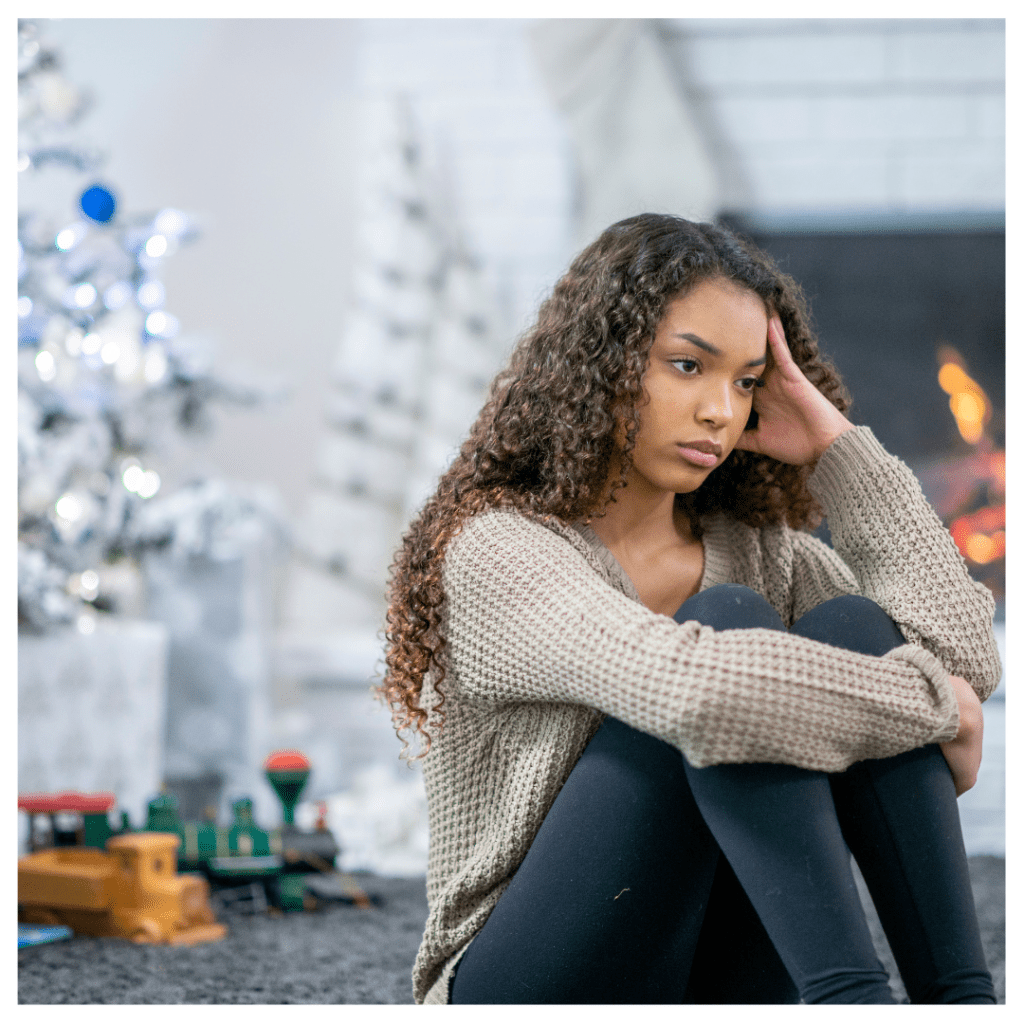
267,268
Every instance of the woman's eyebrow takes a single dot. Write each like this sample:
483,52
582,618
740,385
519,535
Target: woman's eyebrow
696,339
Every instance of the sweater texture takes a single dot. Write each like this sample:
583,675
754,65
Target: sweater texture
547,635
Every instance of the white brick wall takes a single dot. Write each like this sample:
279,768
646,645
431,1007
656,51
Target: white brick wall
988,116
969,52
779,57
845,115
489,124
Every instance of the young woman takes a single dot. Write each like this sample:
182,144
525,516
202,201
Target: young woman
657,713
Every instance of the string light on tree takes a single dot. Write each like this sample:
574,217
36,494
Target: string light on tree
103,374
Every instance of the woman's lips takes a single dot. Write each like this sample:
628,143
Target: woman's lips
704,456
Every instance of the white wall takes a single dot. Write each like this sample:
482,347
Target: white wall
837,115
244,123
494,133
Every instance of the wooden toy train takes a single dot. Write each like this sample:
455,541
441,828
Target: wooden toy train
102,881
129,890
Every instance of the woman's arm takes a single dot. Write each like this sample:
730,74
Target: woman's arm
889,540
530,620
883,529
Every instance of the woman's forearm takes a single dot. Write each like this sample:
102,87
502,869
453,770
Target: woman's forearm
903,558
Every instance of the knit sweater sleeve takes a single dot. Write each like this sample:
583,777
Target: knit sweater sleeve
529,619
891,547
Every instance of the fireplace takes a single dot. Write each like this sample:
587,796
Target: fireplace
914,320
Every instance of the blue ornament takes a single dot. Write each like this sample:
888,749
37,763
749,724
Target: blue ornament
98,203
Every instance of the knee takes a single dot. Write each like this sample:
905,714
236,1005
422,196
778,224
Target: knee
626,768
852,622
730,606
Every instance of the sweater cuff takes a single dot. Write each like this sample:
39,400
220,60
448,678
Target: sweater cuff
947,711
851,453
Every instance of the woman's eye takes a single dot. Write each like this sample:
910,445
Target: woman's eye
749,383
686,365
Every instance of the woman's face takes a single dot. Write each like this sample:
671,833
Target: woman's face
708,354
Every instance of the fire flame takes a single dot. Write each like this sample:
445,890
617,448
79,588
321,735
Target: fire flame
967,401
980,535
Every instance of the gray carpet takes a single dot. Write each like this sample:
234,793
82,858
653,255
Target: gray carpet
342,954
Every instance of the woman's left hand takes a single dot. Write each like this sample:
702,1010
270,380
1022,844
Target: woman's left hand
796,422
963,752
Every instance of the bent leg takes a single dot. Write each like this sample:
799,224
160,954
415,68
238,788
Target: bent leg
899,818
777,826
607,904
735,962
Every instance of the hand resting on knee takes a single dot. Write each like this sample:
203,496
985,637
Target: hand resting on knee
963,752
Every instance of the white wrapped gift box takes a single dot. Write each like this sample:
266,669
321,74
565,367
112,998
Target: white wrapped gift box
91,711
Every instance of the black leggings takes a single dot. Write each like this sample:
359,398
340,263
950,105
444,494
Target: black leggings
623,896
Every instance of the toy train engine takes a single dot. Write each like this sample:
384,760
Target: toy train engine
131,890
287,771
242,853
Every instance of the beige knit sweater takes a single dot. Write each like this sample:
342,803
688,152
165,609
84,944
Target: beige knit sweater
547,635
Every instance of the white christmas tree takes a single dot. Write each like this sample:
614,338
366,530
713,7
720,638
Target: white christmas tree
104,380
408,380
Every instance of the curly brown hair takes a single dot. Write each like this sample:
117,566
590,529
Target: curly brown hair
545,441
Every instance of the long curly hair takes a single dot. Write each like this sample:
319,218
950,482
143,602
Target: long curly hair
545,441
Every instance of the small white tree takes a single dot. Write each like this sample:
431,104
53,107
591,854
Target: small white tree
408,380
104,380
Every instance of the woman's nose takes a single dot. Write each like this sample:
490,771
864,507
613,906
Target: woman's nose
715,406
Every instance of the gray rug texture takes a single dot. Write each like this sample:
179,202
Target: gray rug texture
340,954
